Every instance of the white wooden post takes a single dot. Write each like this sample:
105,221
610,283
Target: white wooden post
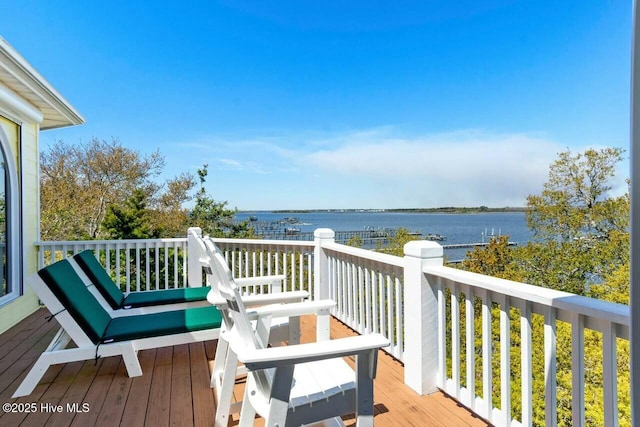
321,280
194,269
420,317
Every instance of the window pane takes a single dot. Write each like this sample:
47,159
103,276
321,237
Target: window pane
3,228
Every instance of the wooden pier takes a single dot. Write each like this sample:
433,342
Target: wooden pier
473,245
288,229
366,236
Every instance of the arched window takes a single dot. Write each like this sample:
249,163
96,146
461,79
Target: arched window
9,224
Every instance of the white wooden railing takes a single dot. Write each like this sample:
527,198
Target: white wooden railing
251,257
368,290
446,325
137,265
519,304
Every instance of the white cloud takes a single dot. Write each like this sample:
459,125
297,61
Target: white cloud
457,168
376,168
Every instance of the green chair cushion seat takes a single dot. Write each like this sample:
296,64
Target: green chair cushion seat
165,296
160,324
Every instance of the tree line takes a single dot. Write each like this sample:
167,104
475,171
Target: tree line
100,189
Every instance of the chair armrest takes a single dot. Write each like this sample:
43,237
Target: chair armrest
260,280
274,298
275,357
261,299
321,307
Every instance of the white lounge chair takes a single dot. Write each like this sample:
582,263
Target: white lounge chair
294,384
96,333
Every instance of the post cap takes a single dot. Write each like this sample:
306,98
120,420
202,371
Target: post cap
423,249
324,233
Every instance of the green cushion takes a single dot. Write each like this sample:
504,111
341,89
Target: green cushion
165,323
165,296
72,293
96,322
100,278
116,299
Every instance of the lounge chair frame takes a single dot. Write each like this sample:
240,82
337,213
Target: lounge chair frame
70,330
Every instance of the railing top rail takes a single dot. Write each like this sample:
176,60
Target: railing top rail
365,254
108,242
591,307
265,242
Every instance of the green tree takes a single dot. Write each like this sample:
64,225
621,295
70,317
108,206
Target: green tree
495,259
79,182
99,189
214,218
355,241
580,230
396,244
575,202
168,214
131,220
582,246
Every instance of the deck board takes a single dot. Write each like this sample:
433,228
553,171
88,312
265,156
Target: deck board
136,409
174,388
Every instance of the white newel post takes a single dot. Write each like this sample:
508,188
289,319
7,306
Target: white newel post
194,270
420,317
321,280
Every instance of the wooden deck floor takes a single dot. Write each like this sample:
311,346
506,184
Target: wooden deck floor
174,389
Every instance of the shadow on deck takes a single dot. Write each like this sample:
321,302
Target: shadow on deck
174,388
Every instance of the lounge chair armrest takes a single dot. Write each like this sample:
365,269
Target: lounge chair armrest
321,307
274,357
261,299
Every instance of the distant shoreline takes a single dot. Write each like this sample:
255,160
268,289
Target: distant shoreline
449,209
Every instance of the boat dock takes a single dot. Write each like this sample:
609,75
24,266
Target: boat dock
473,245
289,229
367,236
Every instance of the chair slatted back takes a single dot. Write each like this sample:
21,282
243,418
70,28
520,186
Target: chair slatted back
242,335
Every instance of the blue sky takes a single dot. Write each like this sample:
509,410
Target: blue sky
335,104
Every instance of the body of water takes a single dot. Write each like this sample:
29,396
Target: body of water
458,228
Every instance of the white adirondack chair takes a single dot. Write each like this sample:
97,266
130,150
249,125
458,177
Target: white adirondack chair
295,384
282,329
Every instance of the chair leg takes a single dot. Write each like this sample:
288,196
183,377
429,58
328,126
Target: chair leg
248,413
131,362
280,393
224,390
294,330
365,366
323,327
34,376
219,359
49,357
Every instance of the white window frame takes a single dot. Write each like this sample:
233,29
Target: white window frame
14,231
